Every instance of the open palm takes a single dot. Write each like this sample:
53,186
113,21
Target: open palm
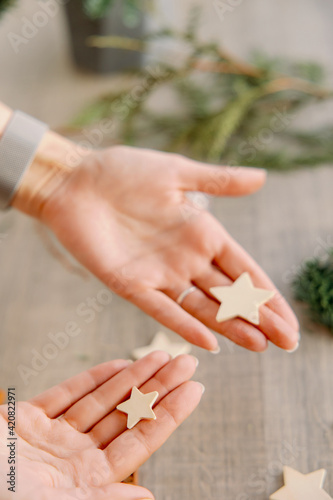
73,443
124,214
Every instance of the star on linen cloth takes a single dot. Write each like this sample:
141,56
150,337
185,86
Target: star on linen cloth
300,486
161,342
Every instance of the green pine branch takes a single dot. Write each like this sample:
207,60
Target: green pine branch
313,285
226,106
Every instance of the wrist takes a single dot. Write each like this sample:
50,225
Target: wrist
54,161
53,164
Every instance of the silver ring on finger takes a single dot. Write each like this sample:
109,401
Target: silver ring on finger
185,293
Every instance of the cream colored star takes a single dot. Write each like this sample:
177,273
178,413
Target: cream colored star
302,486
241,299
138,407
161,342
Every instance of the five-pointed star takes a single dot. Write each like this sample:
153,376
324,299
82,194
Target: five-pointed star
162,343
138,407
241,299
302,486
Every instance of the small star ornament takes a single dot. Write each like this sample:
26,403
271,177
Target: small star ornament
161,342
302,486
241,299
138,407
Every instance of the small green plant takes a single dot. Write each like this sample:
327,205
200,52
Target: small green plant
227,110
313,285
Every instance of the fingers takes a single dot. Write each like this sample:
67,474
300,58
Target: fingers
204,308
271,326
133,447
234,260
93,407
168,313
175,373
114,491
118,491
59,398
219,181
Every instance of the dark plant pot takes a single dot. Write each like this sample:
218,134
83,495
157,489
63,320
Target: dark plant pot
96,59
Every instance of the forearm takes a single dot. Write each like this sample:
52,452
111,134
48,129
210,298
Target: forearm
54,160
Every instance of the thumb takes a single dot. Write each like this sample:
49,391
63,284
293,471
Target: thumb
220,181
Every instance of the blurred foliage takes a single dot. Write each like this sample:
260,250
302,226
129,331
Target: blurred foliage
227,110
5,4
96,8
132,9
314,286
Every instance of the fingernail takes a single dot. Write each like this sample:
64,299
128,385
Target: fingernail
196,361
294,349
203,388
130,361
217,350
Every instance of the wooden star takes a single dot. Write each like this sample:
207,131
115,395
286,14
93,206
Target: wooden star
240,299
161,342
138,407
302,486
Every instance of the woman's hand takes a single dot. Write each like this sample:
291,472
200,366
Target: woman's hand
72,443
124,214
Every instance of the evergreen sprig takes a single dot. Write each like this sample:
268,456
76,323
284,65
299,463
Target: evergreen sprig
96,8
229,111
313,285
